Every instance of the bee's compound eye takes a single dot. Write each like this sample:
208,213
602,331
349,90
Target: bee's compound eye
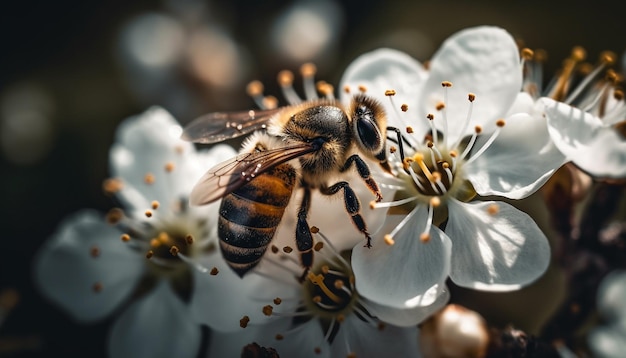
368,134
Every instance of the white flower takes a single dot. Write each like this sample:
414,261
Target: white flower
329,318
609,340
585,121
464,149
93,267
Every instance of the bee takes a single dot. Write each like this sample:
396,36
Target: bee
302,146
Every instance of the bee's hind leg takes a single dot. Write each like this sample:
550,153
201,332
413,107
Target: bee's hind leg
353,207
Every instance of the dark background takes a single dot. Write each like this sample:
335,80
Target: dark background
62,59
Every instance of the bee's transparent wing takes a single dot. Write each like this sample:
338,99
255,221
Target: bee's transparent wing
233,173
219,126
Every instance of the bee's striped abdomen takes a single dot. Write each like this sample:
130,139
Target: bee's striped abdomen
250,215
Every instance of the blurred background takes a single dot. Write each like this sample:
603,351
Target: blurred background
72,70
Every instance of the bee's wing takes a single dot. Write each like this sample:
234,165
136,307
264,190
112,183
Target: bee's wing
219,126
233,173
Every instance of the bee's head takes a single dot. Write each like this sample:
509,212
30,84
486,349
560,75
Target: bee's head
369,126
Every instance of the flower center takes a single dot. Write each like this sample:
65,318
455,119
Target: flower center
330,291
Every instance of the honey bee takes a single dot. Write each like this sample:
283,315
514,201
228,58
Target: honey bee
303,146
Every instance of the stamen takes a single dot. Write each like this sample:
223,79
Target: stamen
605,60
419,159
94,251
308,71
434,202
97,287
362,89
149,178
255,90
287,249
169,167
326,89
112,185
446,168
155,204
493,209
389,240
277,301
562,85
399,226
332,248
285,80
270,102
470,145
243,322
404,107
148,213
499,124
267,310
431,118
214,271
199,267
125,237
318,280
387,204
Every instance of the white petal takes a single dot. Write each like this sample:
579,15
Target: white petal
66,271
611,294
222,300
518,162
502,251
367,340
524,103
482,60
409,273
387,69
406,317
145,144
156,325
593,146
607,342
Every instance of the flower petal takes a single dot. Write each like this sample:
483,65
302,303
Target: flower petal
593,146
406,317
367,340
85,268
145,145
409,273
386,69
156,325
222,300
495,247
607,342
481,60
518,162
611,293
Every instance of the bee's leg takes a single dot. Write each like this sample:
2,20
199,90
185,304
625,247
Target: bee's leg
364,172
353,206
304,239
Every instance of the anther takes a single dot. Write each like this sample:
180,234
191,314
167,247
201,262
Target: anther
493,209
409,129
430,116
527,54
453,153
340,318
389,240
578,54
189,239
325,269
338,284
425,237
243,322
174,250
267,310
274,249
155,243
94,252
285,78
114,216
112,185
149,178
471,97
478,129
287,249
435,201
254,88
346,89
97,287
392,149
419,159
618,94
270,102
125,237
155,204
149,254
148,213
404,107
318,246
279,337
351,355
390,93
608,57
362,88
500,123
277,301
440,106
314,229
373,204
214,271
169,167
308,70
317,350
446,84
317,299
381,326
430,144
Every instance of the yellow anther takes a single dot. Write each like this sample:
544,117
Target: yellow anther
318,280
471,97
390,92
308,69
527,54
404,107
425,237
500,123
285,78
446,84
254,88
389,240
